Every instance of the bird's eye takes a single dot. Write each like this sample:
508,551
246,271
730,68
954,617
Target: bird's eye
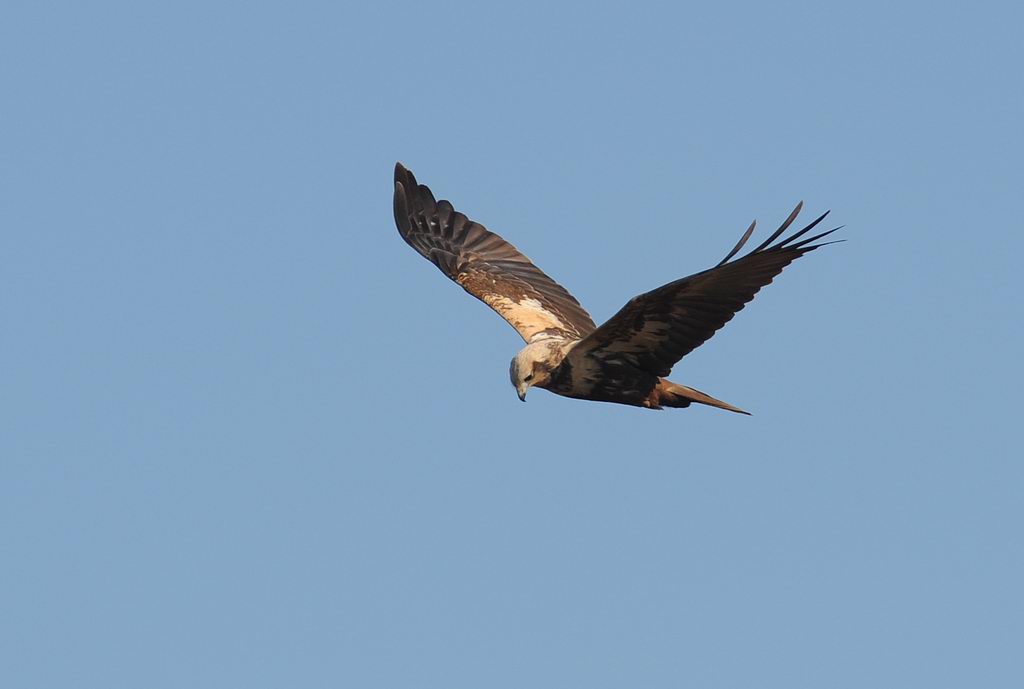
528,378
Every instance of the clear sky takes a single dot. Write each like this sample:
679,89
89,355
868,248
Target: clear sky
248,438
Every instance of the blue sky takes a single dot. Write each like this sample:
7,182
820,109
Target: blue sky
249,438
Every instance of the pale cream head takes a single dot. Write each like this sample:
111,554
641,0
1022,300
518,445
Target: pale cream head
531,366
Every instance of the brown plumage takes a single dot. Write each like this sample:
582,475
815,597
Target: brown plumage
485,265
625,359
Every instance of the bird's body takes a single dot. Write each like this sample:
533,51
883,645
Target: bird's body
550,364
626,359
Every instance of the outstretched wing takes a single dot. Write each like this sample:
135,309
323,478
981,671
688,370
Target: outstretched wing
657,329
486,266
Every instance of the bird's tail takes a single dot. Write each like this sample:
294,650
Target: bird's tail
675,395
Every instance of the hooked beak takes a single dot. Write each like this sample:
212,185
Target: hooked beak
521,391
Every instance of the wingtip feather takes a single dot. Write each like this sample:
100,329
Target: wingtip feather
401,209
739,244
782,228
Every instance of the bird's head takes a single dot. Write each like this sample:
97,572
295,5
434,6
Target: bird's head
531,367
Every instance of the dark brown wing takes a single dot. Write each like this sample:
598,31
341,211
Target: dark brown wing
486,266
657,329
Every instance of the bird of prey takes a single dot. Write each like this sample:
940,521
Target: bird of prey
626,359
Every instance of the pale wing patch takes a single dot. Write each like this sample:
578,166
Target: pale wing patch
528,316
485,265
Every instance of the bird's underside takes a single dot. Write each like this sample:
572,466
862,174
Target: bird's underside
626,359
602,379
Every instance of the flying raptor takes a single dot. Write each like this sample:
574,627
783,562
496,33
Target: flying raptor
626,359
